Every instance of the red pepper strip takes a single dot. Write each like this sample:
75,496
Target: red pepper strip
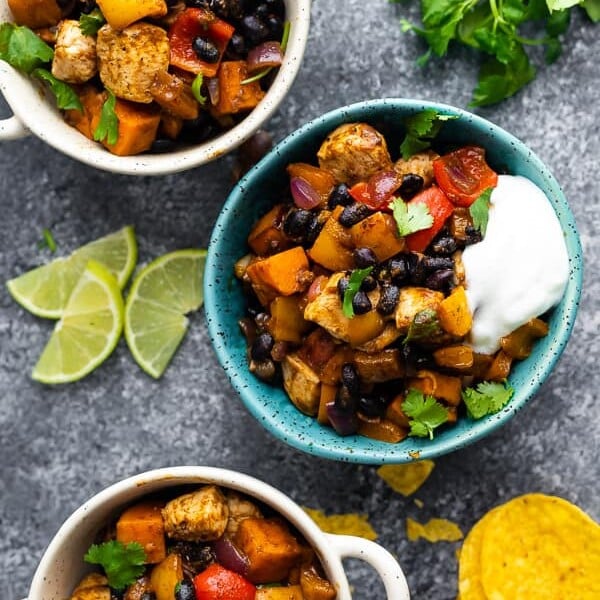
439,207
190,24
464,174
377,192
218,583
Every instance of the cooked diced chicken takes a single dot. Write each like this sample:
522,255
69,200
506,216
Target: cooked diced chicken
418,164
92,587
412,301
199,516
239,509
301,384
74,53
353,152
138,589
130,59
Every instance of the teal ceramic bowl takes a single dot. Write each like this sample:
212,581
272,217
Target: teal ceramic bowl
257,191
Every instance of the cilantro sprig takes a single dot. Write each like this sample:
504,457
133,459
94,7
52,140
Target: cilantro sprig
495,29
90,23
409,216
122,563
108,126
421,129
425,413
487,398
480,211
354,282
196,87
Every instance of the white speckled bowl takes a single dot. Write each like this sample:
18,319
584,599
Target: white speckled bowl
62,565
34,113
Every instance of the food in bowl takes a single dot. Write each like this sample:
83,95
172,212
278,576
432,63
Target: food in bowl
390,296
203,543
152,75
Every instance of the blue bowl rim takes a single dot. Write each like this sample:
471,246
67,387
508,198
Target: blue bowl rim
243,381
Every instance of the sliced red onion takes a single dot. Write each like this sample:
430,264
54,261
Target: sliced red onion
316,287
267,54
229,556
305,196
212,85
382,185
343,420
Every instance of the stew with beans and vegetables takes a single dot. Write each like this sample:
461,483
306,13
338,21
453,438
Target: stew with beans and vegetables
149,75
356,294
206,543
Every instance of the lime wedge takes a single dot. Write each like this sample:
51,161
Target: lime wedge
88,330
161,295
45,291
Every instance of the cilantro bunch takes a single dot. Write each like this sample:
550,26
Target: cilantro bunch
494,29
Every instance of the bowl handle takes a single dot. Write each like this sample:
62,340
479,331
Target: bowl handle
348,546
12,129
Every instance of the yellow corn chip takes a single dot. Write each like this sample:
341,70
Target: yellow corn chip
408,478
345,524
435,530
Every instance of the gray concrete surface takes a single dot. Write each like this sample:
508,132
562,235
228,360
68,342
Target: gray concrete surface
60,445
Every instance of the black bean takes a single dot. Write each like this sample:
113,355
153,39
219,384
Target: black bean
312,233
439,280
205,50
345,400
276,6
185,590
148,596
368,284
161,145
361,303
342,286
275,25
261,347
350,378
116,594
399,268
297,222
372,405
237,45
199,129
415,359
445,245
248,328
434,263
254,29
263,369
473,236
416,269
87,6
353,214
388,299
364,257
411,185
339,197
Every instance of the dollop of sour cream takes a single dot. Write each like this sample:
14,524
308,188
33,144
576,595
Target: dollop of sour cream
521,267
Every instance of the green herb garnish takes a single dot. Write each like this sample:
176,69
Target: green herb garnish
122,563
493,28
480,210
47,240
487,398
108,126
421,129
355,281
66,98
91,22
425,413
410,217
424,326
196,85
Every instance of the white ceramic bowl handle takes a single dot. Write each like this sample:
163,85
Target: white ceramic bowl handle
348,546
12,129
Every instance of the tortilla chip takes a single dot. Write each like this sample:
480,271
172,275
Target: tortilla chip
419,503
435,530
345,524
408,478
540,547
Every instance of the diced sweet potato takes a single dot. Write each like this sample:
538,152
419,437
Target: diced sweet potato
320,180
395,413
281,274
120,13
270,548
444,387
500,367
331,372
333,247
174,96
234,96
288,592
378,367
91,101
170,125
143,523
519,343
379,232
287,322
35,13
267,235
382,430
454,314
165,576
314,587
458,357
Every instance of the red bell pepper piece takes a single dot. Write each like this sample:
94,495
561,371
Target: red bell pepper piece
191,23
377,192
439,207
464,174
218,583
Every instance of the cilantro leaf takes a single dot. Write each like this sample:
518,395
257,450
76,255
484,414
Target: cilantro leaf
421,129
122,563
356,278
592,7
196,85
22,49
561,4
425,413
488,398
424,326
66,98
91,22
480,210
410,216
47,240
108,126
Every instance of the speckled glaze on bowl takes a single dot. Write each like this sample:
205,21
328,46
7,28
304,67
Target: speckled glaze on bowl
35,113
257,191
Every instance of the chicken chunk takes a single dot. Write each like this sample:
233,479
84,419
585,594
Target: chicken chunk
418,164
239,509
92,587
129,60
301,384
412,301
74,53
353,152
200,516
